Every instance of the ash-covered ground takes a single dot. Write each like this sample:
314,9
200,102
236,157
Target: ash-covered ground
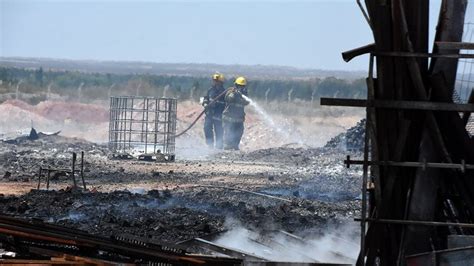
205,194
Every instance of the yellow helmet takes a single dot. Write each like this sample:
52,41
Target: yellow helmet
218,77
240,81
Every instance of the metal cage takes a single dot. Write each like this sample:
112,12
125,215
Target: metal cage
142,127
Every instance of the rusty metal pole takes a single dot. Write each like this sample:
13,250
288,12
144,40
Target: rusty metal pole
74,156
364,193
39,177
365,177
47,179
82,170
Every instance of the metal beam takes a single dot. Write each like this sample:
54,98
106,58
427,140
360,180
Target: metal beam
400,105
226,250
422,55
349,55
455,45
411,222
462,166
41,232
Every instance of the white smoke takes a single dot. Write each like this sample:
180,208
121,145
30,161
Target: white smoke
334,246
193,148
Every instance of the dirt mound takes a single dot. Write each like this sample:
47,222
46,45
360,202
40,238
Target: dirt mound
20,104
83,113
17,117
86,121
61,111
90,121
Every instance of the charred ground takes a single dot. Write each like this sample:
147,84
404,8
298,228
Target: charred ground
173,202
278,182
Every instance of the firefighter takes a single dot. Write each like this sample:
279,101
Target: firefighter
233,116
213,109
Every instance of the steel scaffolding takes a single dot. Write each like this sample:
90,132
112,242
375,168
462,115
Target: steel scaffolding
417,182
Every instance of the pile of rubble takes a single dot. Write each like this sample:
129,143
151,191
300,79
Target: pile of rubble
295,189
172,216
351,140
117,213
21,158
319,173
317,187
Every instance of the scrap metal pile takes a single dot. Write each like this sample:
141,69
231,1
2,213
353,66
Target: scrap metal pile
420,208
50,244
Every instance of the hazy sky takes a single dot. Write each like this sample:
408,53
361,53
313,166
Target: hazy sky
307,34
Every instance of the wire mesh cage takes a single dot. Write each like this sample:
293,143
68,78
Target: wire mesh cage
142,127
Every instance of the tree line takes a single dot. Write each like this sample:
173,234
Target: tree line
102,86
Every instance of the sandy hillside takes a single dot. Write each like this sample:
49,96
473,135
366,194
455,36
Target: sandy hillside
90,122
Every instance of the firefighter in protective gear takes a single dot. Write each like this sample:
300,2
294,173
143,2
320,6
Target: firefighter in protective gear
213,131
233,116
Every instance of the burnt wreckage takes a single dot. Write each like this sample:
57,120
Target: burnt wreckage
418,181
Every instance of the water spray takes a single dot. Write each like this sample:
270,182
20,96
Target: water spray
267,119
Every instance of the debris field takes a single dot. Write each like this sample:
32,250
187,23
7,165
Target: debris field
297,189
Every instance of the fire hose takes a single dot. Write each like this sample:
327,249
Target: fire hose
200,115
